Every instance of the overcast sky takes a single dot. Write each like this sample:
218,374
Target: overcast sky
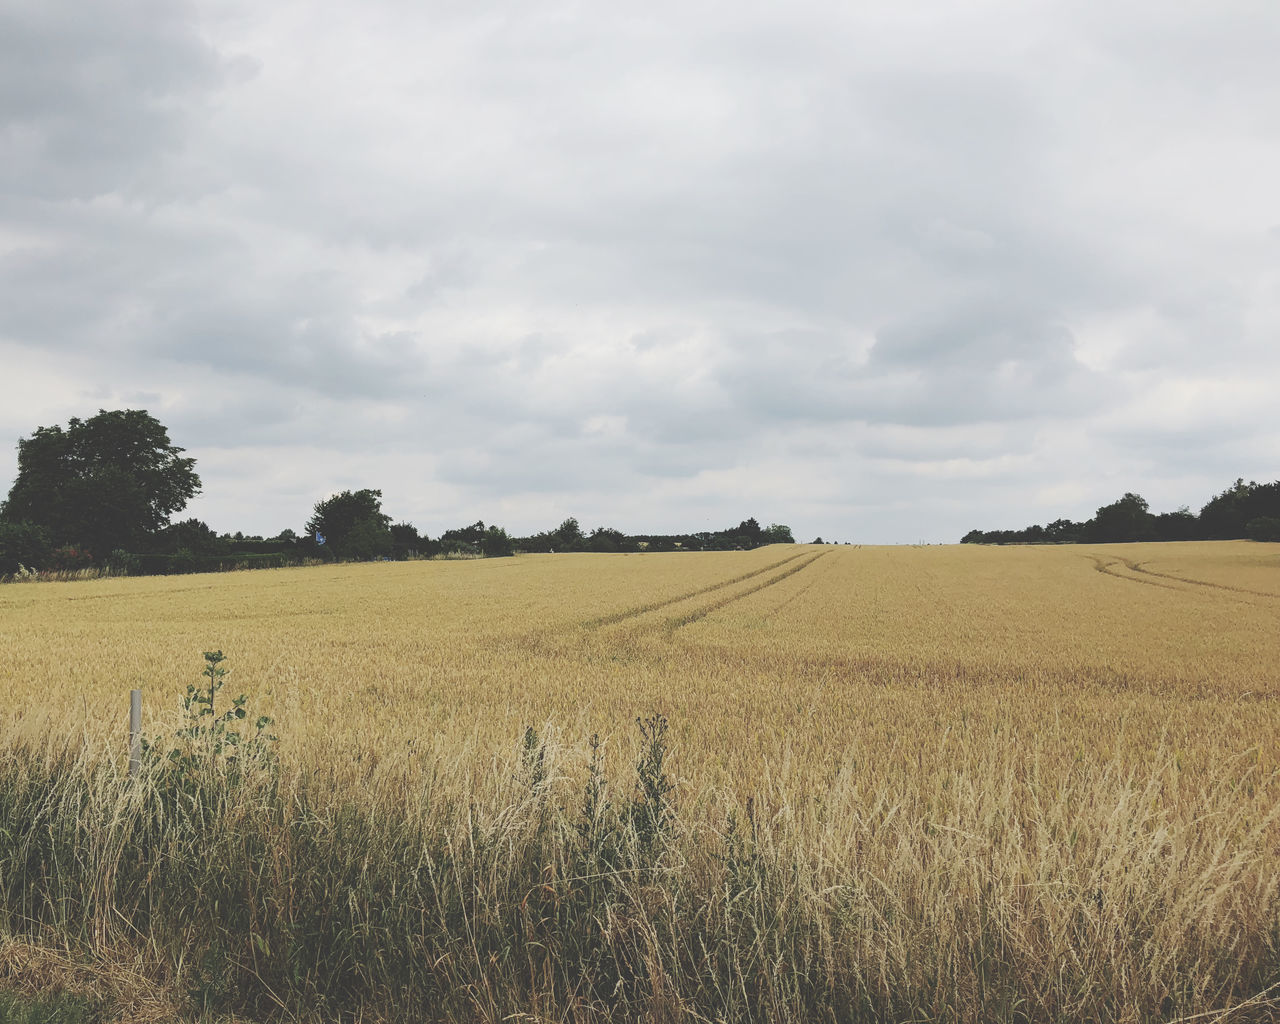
884,272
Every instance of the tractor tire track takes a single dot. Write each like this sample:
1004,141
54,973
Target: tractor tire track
680,621
630,613
1138,567
1104,566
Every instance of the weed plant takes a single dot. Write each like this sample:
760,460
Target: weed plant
268,893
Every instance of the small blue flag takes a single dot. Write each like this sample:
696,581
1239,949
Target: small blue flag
319,537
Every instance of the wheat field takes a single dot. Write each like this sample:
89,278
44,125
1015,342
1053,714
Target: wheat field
960,783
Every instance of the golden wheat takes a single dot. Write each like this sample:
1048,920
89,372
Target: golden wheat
1084,741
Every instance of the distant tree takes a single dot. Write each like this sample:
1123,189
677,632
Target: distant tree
367,540
1224,515
285,536
818,540
607,540
405,540
1263,528
749,534
1228,514
193,535
496,543
776,533
109,482
464,537
568,536
352,524
1180,525
1122,521
1063,531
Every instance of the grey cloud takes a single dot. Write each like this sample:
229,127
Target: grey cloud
584,251
92,95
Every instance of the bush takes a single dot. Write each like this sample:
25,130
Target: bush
496,543
22,544
1263,528
69,558
122,563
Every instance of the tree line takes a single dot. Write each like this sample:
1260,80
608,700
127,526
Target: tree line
102,493
1243,511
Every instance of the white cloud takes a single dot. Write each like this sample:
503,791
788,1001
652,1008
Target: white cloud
893,271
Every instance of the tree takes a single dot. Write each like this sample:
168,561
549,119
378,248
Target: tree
1228,514
1263,528
405,540
568,536
352,524
111,481
463,540
496,543
25,545
1123,520
777,533
1180,525
606,540
191,534
749,534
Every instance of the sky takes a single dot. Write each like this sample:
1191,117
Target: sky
882,272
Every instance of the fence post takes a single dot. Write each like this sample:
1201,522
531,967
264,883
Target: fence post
135,731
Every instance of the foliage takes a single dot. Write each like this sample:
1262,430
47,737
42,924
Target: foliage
651,811
606,540
193,535
1125,520
352,524
23,544
405,541
777,533
210,741
51,1008
123,563
496,543
1224,517
463,539
111,481
745,536
69,558
568,536
1263,528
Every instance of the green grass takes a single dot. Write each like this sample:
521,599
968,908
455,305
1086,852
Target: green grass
272,896
60,1008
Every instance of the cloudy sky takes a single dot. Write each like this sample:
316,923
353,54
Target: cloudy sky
881,271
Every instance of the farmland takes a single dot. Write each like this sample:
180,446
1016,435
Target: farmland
1025,783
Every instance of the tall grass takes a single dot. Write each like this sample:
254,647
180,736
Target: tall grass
534,886
898,784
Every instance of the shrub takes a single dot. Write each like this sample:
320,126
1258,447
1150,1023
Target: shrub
22,544
1263,528
496,543
69,558
122,563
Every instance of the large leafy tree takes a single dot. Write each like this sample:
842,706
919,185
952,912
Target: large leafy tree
111,481
352,524
1125,520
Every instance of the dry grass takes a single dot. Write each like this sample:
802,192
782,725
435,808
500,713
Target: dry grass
1033,783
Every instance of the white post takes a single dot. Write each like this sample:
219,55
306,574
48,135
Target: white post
135,732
